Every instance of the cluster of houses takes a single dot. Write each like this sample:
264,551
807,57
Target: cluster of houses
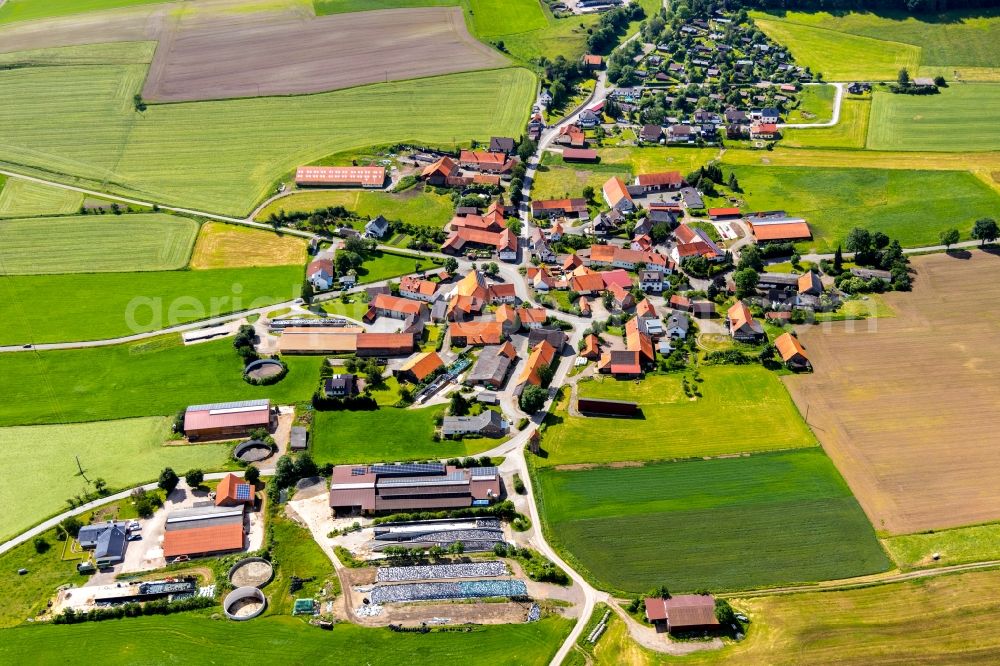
469,232
472,167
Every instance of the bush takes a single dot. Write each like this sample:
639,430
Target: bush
41,545
132,609
194,478
71,526
519,485
252,475
168,480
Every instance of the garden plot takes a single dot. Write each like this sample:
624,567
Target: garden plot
473,589
469,570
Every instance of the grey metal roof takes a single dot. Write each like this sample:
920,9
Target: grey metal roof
229,405
300,437
111,543
455,424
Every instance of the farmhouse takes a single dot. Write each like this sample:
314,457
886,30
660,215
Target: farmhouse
444,173
591,347
763,131
541,357
571,135
340,385
742,325
487,162
651,281
487,424
371,177
532,318
205,530
503,292
617,196
227,419
637,341
627,258
693,242
777,226
386,305
588,283
683,613
579,155
554,207
418,288
621,364
420,367
108,541
622,298
505,242
233,491
659,182
492,366
502,144
475,333
791,351
376,488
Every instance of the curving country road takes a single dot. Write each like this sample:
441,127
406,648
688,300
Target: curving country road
837,102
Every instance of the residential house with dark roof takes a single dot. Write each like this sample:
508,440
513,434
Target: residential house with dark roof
651,133
340,385
492,366
502,144
488,423
377,228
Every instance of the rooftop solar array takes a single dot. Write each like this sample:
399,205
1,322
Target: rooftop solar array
449,479
243,491
478,472
412,469
229,405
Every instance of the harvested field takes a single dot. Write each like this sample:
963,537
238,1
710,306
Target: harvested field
905,406
223,245
249,55
280,49
23,198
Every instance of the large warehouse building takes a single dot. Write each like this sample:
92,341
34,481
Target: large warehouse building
331,176
227,419
377,488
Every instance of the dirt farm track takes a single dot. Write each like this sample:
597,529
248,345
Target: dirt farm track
907,409
215,52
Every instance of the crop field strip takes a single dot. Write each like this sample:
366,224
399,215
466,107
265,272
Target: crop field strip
675,427
95,244
23,198
868,398
722,524
955,120
412,207
80,121
124,453
956,616
99,306
155,377
223,245
171,638
30,10
910,206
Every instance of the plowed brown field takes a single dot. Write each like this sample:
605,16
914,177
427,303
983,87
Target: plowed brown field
907,407
215,50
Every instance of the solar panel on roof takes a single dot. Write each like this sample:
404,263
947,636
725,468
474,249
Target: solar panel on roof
243,491
408,469
359,471
229,405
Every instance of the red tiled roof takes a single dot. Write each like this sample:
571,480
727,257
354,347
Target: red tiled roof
365,176
739,315
541,356
789,347
482,157
200,540
532,315
790,231
568,205
415,285
397,341
396,304
637,341
579,154
422,365
661,178
587,283
204,419
615,191
477,332
723,212
445,166
228,490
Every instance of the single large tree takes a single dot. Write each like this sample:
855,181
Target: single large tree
746,282
903,78
168,480
985,230
949,237
533,398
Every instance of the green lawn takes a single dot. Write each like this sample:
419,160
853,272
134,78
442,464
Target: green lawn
29,10
225,155
23,198
978,543
414,206
284,639
153,377
380,266
402,435
42,471
96,243
839,56
496,18
95,306
742,408
723,524
955,120
298,556
965,41
27,595
850,132
816,105
354,309
911,206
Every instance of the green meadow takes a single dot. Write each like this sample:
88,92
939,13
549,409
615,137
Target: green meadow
815,105
225,155
125,453
342,437
23,198
958,119
285,639
426,209
721,524
30,10
98,306
95,244
673,426
976,543
851,131
911,206
155,377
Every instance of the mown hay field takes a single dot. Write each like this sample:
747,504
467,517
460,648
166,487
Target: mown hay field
904,405
850,132
815,105
23,198
673,426
910,206
223,156
722,524
170,638
943,620
961,40
42,471
413,206
223,245
95,244
30,10
98,306
345,437
954,120
154,377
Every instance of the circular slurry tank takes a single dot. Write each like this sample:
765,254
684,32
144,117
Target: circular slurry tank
244,603
251,451
263,368
251,572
